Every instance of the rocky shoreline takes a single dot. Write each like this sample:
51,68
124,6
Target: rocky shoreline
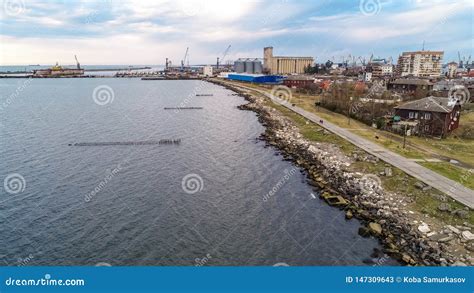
382,214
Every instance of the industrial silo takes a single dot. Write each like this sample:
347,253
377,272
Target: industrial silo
239,66
257,66
249,66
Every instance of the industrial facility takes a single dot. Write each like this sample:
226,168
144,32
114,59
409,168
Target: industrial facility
59,71
284,65
256,78
248,65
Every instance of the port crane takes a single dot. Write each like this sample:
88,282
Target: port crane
223,56
184,59
77,62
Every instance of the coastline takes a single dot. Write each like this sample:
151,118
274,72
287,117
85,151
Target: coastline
382,214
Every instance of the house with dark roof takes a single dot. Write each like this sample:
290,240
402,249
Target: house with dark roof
431,116
409,85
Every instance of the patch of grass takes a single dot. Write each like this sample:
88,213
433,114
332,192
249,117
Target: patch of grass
453,172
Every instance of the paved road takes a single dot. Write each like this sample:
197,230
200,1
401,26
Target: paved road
443,184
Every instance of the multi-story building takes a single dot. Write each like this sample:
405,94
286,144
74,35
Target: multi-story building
379,69
420,63
451,69
207,70
284,65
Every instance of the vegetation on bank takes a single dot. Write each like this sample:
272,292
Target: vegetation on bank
424,201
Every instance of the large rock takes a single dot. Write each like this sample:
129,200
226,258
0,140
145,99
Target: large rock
424,228
419,185
453,229
444,207
467,235
375,228
463,214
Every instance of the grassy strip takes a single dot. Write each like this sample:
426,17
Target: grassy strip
453,172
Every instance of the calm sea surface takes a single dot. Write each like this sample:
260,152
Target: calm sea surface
196,203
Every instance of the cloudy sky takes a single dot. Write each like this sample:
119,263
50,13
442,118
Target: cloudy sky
145,32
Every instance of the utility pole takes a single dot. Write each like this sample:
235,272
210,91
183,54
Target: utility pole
404,136
349,112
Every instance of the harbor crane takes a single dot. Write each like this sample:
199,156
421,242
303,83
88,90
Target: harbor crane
223,57
77,63
184,59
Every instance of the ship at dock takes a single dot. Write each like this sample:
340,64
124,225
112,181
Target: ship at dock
59,71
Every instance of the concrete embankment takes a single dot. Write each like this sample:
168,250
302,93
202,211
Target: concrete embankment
382,214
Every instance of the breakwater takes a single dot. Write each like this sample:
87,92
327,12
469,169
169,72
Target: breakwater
112,143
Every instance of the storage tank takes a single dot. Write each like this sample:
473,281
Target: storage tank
239,66
248,66
257,66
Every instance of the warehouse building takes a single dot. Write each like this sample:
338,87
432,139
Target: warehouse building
257,78
284,65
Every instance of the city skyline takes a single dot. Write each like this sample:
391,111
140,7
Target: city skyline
145,32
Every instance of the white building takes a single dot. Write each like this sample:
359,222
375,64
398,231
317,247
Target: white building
207,70
420,63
